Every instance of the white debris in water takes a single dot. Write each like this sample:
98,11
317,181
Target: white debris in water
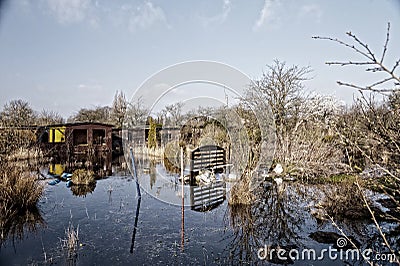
278,169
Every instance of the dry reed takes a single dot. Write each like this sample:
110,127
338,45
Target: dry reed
83,177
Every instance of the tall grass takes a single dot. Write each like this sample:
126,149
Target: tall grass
18,190
19,194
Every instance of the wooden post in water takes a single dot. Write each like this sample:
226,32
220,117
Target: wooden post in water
139,195
183,206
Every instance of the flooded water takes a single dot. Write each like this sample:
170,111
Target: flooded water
116,227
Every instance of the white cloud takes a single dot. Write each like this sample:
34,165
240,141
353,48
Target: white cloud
89,86
69,11
144,16
221,17
267,15
94,13
311,11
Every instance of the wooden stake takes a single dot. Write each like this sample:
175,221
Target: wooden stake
183,206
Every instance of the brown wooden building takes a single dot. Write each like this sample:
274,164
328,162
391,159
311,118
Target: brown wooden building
77,138
88,143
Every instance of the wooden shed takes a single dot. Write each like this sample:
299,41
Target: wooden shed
77,138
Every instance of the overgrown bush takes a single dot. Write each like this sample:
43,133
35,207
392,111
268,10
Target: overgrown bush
83,177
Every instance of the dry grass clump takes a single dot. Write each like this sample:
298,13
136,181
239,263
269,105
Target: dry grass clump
19,194
71,241
83,177
18,190
241,193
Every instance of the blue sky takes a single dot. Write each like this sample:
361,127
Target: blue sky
66,54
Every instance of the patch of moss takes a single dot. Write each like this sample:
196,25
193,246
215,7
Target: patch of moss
340,178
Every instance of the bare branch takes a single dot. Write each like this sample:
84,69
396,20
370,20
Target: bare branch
375,221
386,42
375,69
395,66
377,66
349,63
370,53
344,44
367,88
380,82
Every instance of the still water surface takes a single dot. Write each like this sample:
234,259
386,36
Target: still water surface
221,236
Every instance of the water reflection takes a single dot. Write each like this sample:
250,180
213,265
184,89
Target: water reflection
282,218
101,166
166,186
135,224
14,225
82,190
274,219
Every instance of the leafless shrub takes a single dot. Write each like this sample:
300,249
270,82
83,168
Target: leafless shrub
172,156
305,142
83,190
371,138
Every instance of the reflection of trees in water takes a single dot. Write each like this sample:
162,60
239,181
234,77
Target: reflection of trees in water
273,219
279,217
14,225
153,173
83,190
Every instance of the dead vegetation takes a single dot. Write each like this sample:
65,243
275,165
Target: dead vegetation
19,195
19,191
14,223
345,201
83,177
71,241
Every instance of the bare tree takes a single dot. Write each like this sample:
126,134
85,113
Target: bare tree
17,113
47,117
118,109
136,114
174,113
281,87
99,114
